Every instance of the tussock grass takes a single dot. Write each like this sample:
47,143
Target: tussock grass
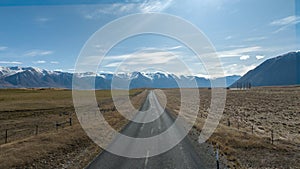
265,109
68,147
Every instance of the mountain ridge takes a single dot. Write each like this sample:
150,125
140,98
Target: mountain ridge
32,77
283,70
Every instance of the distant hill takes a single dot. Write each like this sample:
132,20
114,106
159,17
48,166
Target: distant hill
29,77
282,70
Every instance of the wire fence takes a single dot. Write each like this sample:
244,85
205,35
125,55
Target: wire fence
249,128
12,134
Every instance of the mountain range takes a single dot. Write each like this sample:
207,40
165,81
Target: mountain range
283,70
30,77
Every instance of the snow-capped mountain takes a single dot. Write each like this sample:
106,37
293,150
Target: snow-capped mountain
30,77
27,77
282,70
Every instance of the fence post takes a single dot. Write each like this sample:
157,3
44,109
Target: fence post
56,124
228,122
6,131
70,121
36,129
272,136
217,157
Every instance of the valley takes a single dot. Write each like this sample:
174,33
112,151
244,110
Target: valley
244,143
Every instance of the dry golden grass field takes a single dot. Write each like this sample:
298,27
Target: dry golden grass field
65,147
264,109
246,143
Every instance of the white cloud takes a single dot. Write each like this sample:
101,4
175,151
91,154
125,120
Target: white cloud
40,62
258,57
11,62
2,48
54,62
173,48
42,19
286,21
145,58
255,39
108,9
154,6
203,75
244,57
175,61
167,48
70,70
126,8
236,46
228,37
215,4
239,52
58,70
237,69
38,52
112,65
141,61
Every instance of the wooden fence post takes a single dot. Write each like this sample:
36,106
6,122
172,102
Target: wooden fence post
6,131
36,129
217,156
56,125
228,122
70,121
272,136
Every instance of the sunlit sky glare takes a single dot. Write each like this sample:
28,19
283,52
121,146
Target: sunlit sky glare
50,34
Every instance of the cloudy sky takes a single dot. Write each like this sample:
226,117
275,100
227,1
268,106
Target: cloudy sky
50,34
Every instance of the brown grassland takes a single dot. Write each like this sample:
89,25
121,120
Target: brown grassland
264,109
69,146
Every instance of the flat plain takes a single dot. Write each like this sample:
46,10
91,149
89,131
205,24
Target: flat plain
244,135
48,146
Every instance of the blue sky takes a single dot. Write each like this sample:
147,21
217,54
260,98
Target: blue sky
50,34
